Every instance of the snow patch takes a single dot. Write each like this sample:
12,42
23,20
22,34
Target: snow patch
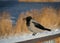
26,37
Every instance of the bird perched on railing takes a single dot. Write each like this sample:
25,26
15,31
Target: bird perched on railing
34,26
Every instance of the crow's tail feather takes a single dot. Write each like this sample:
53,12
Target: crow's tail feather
47,29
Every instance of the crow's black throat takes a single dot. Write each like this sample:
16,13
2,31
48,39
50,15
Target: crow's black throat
28,19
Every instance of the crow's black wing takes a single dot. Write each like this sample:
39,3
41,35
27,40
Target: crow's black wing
39,26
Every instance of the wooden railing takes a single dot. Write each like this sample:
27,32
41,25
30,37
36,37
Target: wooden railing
47,39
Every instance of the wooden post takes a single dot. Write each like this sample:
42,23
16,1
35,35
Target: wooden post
38,42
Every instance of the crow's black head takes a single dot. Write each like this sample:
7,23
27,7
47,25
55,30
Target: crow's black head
28,19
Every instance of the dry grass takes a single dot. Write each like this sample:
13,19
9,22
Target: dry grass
20,27
5,24
48,17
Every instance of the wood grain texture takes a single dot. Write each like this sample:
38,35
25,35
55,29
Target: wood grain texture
38,42
57,40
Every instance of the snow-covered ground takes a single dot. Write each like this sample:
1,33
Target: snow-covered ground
26,37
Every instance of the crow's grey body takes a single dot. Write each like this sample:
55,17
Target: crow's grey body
35,27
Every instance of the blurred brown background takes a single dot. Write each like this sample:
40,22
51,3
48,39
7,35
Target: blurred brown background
48,17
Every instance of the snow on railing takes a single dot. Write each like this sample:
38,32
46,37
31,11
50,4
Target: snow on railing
27,37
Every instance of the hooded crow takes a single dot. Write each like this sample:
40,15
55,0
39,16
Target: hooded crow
34,26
